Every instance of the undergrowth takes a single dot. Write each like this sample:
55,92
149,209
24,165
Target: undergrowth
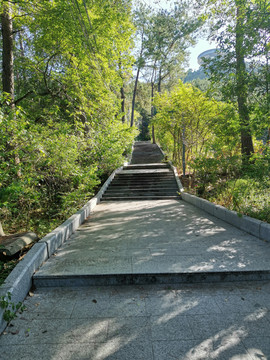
245,189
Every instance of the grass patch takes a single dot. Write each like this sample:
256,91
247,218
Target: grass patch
245,195
6,266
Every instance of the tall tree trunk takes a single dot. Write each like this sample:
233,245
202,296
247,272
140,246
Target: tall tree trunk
7,61
134,97
267,78
153,111
241,85
7,57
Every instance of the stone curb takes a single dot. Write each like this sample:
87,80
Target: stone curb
19,281
180,186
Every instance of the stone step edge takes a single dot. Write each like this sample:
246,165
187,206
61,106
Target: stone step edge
150,278
145,176
140,193
140,187
142,198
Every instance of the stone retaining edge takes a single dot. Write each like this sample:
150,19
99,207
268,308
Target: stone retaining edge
19,281
180,186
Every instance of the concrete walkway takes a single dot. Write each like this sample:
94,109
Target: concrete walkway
154,241
179,304
229,321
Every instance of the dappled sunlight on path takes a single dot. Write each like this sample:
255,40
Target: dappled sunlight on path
159,322
154,237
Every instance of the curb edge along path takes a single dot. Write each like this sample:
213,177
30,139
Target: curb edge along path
19,281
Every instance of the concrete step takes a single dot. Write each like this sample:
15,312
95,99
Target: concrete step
148,278
146,166
143,181
140,188
128,195
131,184
153,185
145,176
143,197
148,178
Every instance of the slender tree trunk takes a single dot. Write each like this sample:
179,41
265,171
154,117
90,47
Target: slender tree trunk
159,81
123,100
241,85
267,77
153,112
134,97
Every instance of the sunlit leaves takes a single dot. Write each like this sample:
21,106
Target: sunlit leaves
188,116
67,133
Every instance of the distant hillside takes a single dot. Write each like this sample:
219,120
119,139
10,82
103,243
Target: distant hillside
194,75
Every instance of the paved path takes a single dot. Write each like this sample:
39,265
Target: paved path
160,322
146,153
141,242
153,238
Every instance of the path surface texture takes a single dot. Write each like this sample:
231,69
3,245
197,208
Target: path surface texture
148,279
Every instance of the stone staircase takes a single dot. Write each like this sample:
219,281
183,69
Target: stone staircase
154,181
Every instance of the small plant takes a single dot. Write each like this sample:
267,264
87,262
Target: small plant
10,308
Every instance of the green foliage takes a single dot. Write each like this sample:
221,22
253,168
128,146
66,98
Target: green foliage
246,190
241,71
209,171
6,266
246,195
188,116
10,308
162,38
59,170
64,134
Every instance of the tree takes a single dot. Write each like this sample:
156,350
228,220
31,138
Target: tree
7,60
235,26
189,124
65,126
164,37
141,22
7,54
241,80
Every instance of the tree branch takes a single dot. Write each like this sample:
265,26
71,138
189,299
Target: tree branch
16,102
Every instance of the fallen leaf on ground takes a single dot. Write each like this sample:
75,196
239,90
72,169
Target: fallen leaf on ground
15,332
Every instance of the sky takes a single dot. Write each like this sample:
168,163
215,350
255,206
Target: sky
202,45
